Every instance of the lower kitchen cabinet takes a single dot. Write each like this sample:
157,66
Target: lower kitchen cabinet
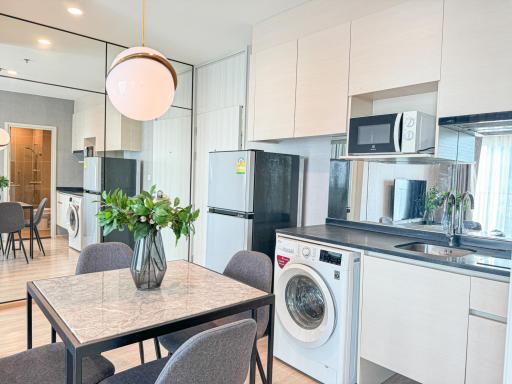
414,320
62,209
486,351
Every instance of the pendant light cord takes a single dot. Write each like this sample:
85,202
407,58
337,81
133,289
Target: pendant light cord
143,17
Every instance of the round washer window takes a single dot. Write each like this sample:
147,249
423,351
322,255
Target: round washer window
305,302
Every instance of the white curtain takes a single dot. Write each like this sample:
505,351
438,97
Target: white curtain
493,196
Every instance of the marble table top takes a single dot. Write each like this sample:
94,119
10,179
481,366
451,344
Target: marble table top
105,304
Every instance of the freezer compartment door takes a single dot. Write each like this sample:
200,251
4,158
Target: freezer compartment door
225,236
90,226
231,180
92,174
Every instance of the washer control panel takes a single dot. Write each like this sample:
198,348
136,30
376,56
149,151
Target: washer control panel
330,257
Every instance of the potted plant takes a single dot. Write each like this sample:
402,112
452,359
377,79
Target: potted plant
146,215
4,184
433,200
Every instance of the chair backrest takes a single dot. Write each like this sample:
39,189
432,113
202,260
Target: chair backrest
254,269
104,257
217,356
11,217
40,210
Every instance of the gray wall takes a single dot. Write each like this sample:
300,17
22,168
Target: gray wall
40,110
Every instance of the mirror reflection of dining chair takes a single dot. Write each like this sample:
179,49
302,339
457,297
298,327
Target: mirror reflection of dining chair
37,219
219,355
12,222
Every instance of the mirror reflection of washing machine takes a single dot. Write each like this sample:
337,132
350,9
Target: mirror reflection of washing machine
317,299
74,217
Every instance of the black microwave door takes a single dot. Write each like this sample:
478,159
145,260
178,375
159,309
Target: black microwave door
375,134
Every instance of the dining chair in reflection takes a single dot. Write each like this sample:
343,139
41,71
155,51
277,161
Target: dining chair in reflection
37,219
12,222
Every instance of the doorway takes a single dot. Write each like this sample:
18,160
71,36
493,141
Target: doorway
30,166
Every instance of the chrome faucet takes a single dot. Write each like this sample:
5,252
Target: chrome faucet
465,196
452,225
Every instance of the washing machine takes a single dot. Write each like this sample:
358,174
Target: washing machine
317,309
74,220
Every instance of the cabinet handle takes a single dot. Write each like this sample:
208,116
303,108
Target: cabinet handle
488,316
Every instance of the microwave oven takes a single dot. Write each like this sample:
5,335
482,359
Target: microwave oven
406,132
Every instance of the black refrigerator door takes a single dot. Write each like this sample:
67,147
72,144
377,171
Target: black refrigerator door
123,174
276,198
339,189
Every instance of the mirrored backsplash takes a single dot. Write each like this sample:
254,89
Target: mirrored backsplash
414,195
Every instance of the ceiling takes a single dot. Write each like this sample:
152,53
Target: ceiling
193,31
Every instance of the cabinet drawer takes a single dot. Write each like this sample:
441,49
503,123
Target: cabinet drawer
489,296
486,351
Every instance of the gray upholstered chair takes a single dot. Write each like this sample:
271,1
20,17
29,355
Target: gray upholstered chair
46,365
11,222
104,257
249,267
217,356
37,219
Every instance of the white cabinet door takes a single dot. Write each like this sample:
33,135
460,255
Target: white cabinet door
397,47
77,131
274,100
414,320
62,209
476,75
322,82
486,351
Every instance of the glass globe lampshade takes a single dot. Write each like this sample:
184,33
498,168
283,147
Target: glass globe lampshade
4,139
141,83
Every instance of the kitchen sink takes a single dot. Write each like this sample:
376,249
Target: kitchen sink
435,250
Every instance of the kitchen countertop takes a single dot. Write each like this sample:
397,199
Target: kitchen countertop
484,260
77,191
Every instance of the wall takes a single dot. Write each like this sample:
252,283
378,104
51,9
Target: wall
40,110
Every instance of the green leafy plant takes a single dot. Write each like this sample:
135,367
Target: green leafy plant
146,213
4,183
433,200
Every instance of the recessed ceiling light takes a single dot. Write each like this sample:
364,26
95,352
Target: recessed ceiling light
10,72
44,42
75,11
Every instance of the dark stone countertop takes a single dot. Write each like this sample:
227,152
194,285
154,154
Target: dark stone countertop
77,191
484,260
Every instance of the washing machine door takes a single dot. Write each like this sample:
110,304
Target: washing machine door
73,220
305,305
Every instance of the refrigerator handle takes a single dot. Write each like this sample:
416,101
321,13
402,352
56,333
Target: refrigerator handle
240,127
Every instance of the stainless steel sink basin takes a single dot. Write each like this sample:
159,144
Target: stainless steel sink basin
435,250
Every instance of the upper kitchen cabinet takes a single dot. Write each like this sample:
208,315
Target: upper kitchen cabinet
275,71
322,82
397,47
476,74
123,134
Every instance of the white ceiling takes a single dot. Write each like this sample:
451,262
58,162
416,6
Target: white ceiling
193,31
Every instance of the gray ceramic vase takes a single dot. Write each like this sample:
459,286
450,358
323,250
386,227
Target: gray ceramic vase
149,264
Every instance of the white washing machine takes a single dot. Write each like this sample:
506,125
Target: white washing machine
317,300
74,220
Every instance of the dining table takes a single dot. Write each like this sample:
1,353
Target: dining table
30,209
101,311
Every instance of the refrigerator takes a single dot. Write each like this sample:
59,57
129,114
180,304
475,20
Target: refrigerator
106,174
250,194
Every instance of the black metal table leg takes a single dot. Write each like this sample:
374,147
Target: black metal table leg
158,351
252,370
54,336
270,346
73,367
31,246
29,321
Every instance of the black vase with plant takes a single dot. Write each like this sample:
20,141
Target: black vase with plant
146,215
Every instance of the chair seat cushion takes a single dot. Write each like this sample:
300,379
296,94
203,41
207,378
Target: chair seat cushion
46,365
146,373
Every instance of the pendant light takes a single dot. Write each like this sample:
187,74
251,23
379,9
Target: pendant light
141,82
4,139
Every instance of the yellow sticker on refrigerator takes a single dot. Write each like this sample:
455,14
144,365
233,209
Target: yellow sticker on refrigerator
241,166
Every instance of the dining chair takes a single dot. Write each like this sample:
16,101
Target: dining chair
248,267
47,365
106,257
37,219
12,221
217,356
